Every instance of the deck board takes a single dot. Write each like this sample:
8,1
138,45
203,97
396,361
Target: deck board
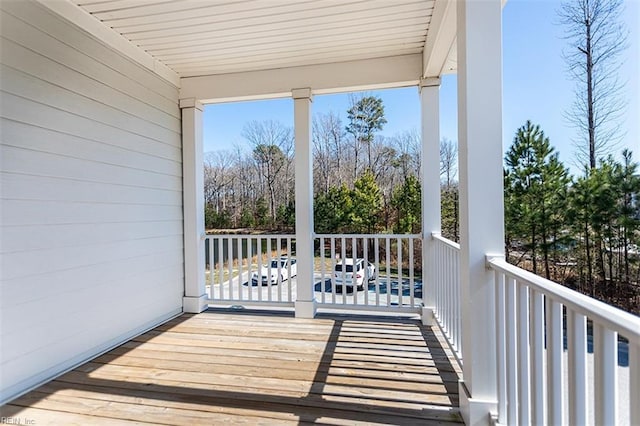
258,368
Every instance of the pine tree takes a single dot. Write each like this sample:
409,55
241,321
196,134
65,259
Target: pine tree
367,204
535,181
366,116
407,202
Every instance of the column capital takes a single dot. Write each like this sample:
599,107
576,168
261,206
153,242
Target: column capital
303,93
191,103
429,82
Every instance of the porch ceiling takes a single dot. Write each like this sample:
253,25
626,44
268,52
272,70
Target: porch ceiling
211,37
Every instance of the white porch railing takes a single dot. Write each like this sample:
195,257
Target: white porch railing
394,286
446,290
232,260
530,313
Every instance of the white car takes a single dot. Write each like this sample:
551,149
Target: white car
277,272
350,271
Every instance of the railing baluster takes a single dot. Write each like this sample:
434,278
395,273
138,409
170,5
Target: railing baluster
577,342
500,346
377,259
411,275
333,270
537,353
343,273
249,268
268,271
212,267
388,268
289,282
322,272
524,378
605,353
240,295
634,379
365,255
439,277
400,281
554,362
511,351
258,273
448,293
220,267
230,265
354,280
458,316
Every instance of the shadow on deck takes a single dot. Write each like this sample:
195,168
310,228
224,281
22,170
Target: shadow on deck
256,367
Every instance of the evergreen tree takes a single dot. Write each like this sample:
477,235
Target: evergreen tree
366,116
332,211
367,204
407,202
535,184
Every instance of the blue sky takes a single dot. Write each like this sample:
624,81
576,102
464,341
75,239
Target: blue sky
536,86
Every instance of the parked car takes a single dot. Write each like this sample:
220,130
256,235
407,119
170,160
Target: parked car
276,272
350,271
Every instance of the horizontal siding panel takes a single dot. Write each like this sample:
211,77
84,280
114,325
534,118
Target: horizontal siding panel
19,160
37,90
21,264
20,135
36,65
86,340
152,278
23,290
21,212
29,112
37,238
93,58
29,187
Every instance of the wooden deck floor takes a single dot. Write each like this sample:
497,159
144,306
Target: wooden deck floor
258,368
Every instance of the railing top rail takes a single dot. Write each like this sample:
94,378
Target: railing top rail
436,236
415,236
626,324
250,236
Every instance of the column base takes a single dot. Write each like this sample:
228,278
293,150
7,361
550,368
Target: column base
194,305
427,316
305,308
475,412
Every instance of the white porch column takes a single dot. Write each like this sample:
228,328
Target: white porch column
193,206
430,167
305,301
479,38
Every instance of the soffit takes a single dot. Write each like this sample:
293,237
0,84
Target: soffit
209,37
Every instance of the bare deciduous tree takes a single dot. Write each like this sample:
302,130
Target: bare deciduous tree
272,147
448,161
596,38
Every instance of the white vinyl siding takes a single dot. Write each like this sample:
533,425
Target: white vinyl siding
91,242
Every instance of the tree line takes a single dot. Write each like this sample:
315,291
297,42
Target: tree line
581,231
363,182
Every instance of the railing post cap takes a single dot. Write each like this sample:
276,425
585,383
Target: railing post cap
491,257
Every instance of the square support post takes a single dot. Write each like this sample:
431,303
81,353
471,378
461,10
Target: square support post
305,304
193,206
479,38
430,170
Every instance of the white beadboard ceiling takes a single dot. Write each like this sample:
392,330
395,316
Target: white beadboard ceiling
208,37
